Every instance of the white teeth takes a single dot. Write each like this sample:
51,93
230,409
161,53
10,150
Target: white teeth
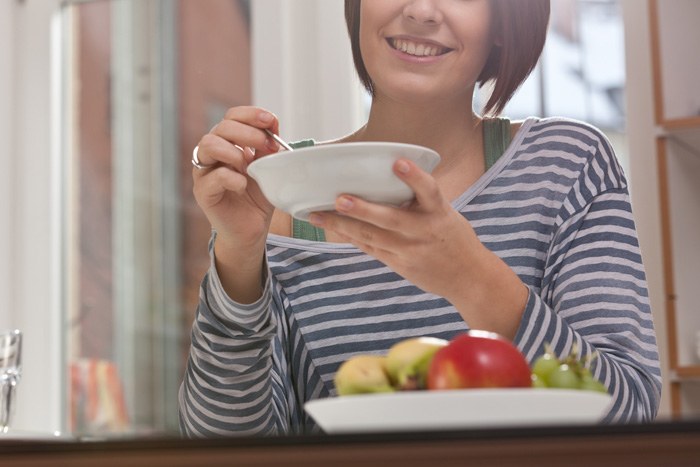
419,50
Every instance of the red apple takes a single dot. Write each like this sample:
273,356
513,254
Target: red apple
478,359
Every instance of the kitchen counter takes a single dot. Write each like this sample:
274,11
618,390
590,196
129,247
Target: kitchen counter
662,443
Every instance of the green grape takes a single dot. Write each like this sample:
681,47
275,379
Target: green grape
538,382
563,377
589,383
545,365
570,372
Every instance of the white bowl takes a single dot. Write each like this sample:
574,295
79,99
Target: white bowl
310,179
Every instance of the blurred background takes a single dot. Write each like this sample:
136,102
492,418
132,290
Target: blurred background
102,101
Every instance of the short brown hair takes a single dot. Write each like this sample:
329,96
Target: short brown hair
520,25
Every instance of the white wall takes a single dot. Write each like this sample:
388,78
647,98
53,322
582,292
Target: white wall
302,68
7,73
30,293
643,167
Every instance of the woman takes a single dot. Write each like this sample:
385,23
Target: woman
535,242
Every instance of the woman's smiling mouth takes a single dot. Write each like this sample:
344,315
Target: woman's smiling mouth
417,48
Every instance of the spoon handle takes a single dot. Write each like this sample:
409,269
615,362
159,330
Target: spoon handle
279,140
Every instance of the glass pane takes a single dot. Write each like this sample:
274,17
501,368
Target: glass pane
581,74
144,79
582,71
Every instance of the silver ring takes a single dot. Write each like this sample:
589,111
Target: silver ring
195,160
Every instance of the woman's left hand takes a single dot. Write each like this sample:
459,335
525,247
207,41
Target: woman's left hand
431,245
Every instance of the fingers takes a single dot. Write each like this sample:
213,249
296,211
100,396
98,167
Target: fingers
428,199
369,238
242,127
428,195
373,226
384,217
253,120
214,150
219,180
243,134
253,116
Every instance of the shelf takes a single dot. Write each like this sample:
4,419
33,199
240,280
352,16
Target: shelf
676,90
688,123
688,372
679,170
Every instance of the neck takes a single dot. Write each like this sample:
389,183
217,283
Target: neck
451,129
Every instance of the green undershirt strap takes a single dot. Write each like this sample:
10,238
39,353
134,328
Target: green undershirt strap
496,141
302,229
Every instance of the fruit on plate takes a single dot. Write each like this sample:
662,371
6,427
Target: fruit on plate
407,361
363,374
548,371
479,359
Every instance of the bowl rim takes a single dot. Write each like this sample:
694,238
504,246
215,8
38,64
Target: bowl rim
320,149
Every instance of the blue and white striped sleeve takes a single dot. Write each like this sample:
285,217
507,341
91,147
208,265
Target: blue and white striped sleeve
594,293
234,378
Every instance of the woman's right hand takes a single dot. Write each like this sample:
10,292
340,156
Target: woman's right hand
230,199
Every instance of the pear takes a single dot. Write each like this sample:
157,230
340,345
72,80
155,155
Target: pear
362,374
407,361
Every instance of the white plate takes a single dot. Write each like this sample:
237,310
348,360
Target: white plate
310,179
457,409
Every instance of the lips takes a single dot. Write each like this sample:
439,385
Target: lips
417,47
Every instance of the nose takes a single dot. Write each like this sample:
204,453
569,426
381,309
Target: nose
423,11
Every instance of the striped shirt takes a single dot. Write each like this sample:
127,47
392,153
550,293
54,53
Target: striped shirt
555,207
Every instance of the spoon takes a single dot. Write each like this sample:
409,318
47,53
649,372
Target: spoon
279,140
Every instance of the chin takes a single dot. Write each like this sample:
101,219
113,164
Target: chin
417,94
